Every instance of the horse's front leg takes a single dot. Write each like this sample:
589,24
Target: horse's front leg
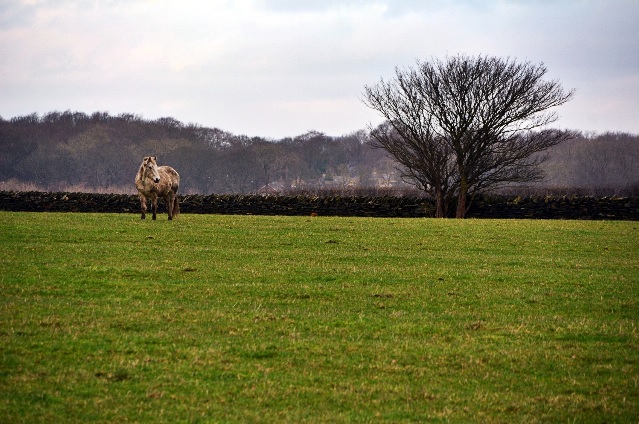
155,207
143,206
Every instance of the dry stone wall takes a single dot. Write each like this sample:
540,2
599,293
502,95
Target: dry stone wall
610,208
556,207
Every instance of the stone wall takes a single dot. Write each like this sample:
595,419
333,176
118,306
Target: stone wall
486,207
556,207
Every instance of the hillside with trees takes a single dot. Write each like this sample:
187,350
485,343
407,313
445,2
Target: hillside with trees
73,151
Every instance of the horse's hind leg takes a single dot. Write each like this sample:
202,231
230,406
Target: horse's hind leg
169,204
176,207
155,207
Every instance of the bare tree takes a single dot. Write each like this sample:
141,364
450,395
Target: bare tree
425,159
486,117
271,159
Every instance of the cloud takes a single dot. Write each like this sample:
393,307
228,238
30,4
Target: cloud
281,67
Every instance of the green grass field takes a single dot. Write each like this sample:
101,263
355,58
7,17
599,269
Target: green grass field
106,318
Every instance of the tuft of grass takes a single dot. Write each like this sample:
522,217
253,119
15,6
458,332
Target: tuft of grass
209,318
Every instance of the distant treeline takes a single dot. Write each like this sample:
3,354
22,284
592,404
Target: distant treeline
73,151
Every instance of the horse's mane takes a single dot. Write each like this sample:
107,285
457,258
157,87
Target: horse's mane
141,172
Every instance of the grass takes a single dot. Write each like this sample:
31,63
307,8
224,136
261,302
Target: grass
106,318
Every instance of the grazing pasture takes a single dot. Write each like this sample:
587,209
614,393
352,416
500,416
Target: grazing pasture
107,318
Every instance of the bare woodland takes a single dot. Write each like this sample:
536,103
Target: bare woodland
73,151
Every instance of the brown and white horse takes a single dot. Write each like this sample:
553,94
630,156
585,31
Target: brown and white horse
155,181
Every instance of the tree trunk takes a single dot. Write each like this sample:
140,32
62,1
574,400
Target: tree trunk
440,212
462,198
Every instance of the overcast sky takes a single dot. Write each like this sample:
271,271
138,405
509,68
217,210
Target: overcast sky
283,67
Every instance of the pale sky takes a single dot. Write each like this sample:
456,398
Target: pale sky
283,67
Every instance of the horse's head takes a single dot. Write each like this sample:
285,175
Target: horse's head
150,166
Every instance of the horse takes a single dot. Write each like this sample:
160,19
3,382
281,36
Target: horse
155,181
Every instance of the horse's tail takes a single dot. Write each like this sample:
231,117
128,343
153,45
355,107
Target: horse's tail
176,207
